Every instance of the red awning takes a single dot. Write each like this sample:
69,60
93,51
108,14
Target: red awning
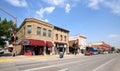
48,43
32,42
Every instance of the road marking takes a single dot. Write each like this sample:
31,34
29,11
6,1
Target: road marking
65,69
7,60
40,68
103,65
57,65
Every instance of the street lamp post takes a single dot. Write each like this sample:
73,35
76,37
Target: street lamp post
14,49
14,31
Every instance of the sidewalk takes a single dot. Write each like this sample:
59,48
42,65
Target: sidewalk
4,59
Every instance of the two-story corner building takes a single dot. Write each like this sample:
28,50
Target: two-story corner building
37,37
79,40
61,37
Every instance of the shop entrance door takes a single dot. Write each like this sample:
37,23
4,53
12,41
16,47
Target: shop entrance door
36,51
48,50
41,50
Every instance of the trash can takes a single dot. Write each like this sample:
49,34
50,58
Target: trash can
61,54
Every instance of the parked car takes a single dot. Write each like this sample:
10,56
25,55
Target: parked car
1,51
105,52
88,53
95,52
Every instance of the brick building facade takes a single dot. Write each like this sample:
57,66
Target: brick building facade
36,37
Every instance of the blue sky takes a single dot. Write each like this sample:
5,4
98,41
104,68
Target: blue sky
99,20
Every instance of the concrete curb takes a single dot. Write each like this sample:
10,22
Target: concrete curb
24,58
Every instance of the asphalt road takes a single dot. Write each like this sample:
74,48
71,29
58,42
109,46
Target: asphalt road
107,62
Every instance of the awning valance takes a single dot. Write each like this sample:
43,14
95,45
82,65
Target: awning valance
32,42
49,44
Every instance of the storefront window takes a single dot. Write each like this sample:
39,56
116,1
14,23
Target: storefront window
38,30
27,49
44,32
29,29
49,33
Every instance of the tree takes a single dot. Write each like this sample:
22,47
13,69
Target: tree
113,49
6,30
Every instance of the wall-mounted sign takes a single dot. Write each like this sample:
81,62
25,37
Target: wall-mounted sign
25,42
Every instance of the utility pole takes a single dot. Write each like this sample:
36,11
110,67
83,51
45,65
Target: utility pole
14,31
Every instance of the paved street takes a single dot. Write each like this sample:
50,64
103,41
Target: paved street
107,62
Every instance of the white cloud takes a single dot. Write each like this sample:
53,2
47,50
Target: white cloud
114,40
67,8
47,10
18,3
114,5
55,2
74,3
94,4
65,4
46,20
114,36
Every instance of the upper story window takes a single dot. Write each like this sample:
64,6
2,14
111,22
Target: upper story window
44,32
56,36
61,37
49,33
29,29
38,30
64,38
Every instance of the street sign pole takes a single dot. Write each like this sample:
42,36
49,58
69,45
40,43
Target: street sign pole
14,49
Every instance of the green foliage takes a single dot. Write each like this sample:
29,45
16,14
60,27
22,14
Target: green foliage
113,49
6,30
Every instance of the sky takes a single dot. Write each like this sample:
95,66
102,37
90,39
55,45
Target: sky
98,20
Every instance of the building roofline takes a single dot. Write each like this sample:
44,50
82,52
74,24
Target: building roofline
61,28
79,35
33,19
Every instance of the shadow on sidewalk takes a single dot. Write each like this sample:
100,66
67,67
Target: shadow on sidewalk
6,55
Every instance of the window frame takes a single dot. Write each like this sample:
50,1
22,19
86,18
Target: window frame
44,32
49,33
29,29
38,31
56,37
65,38
61,37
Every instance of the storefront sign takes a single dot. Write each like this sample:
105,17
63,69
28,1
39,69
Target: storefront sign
25,42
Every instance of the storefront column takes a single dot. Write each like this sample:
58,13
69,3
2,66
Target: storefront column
55,49
24,49
65,46
51,51
67,49
44,51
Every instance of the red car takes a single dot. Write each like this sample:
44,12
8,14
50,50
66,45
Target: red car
88,53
